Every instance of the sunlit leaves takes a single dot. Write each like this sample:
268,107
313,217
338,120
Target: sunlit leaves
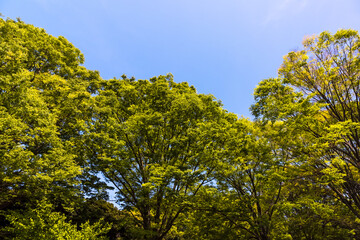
44,102
320,111
158,142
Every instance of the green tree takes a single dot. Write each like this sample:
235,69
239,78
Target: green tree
94,210
158,142
247,200
317,98
45,96
43,222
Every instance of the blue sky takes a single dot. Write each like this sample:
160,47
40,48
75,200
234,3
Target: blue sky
224,48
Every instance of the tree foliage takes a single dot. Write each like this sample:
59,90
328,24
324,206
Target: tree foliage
158,142
182,166
44,97
317,97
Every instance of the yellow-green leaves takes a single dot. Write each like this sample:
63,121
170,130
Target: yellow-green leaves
44,107
158,142
320,114
44,223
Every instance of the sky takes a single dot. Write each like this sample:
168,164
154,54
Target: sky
224,47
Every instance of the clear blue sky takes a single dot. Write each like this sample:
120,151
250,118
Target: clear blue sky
223,47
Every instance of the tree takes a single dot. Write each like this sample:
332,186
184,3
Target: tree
95,211
43,222
249,192
158,142
317,97
45,96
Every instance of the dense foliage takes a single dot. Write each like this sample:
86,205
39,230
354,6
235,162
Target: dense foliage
180,166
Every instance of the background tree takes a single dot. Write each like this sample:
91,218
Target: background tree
246,202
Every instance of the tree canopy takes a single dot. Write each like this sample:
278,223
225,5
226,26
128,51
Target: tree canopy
179,166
